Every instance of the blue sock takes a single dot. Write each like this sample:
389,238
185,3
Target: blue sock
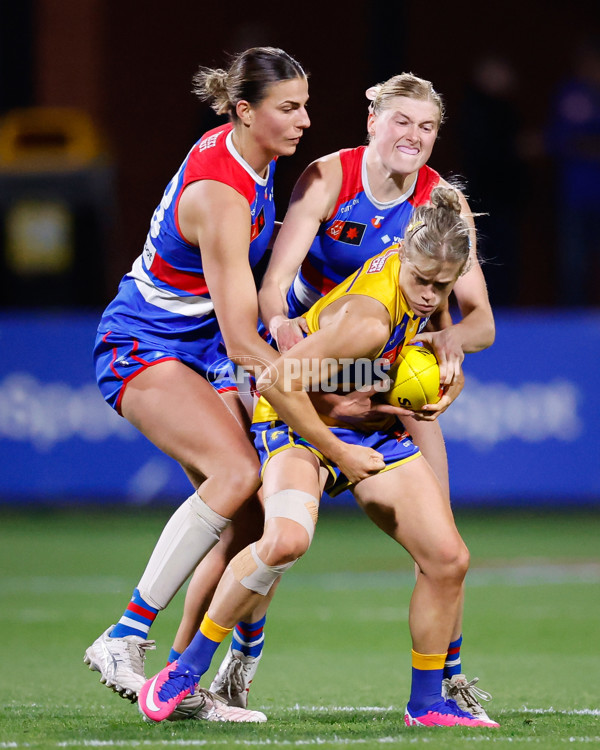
426,686
452,665
173,656
198,655
249,637
136,620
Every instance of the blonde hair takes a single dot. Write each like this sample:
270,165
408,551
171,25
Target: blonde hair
248,78
405,84
438,231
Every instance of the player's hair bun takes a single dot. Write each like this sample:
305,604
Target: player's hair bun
442,197
372,91
210,84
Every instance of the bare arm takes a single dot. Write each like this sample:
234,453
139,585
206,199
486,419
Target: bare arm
312,201
217,218
353,327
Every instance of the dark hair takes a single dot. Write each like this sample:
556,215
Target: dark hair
437,229
248,78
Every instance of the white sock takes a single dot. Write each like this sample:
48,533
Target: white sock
190,533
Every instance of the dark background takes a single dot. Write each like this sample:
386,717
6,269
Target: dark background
129,65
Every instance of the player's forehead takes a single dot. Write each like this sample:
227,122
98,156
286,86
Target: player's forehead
418,110
291,90
432,269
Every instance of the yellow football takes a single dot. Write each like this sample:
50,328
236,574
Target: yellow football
414,379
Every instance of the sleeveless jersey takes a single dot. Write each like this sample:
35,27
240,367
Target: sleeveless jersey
377,278
164,298
359,228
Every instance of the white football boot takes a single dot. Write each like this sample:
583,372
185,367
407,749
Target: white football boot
207,706
232,681
120,662
467,696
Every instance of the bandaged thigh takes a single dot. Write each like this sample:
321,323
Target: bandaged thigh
190,533
294,505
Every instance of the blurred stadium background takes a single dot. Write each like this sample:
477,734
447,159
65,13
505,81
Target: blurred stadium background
96,115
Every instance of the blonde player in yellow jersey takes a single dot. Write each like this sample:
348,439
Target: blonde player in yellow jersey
368,317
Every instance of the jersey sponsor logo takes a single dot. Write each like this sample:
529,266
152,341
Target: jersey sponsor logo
379,262
258,225
208,142
349,206
349,232
376,221
149,252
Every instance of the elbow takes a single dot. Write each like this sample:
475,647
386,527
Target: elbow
488,336
236,357
241,349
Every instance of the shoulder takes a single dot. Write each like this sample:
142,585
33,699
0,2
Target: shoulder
362,312
325,166
427,179
209,203
322,176
212,160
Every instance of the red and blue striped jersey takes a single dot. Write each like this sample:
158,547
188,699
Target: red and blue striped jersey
360,228
165,297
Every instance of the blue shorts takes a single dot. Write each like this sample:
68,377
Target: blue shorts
395,445
119,358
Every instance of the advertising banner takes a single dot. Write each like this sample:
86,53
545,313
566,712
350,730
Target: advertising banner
524,431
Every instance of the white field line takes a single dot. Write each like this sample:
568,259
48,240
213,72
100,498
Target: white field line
314,742
385,709
411,738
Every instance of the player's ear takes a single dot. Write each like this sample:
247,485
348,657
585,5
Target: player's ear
243,110
371,124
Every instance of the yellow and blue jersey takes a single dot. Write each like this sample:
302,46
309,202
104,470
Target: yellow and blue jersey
377,278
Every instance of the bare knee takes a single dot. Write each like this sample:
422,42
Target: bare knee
244,479
449,564
226,487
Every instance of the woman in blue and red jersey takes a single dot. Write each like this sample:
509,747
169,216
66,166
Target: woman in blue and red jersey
346,207
184,312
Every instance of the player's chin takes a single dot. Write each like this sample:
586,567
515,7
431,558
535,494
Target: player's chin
407,164
291,145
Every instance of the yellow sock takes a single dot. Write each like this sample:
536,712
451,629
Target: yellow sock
214,632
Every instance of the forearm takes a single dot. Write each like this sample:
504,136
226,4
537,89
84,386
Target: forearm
272,302
250,351
476,331
295,408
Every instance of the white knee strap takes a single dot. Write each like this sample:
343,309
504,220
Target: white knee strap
253,573
295,505
190,533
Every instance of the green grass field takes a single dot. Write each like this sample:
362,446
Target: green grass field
337,662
